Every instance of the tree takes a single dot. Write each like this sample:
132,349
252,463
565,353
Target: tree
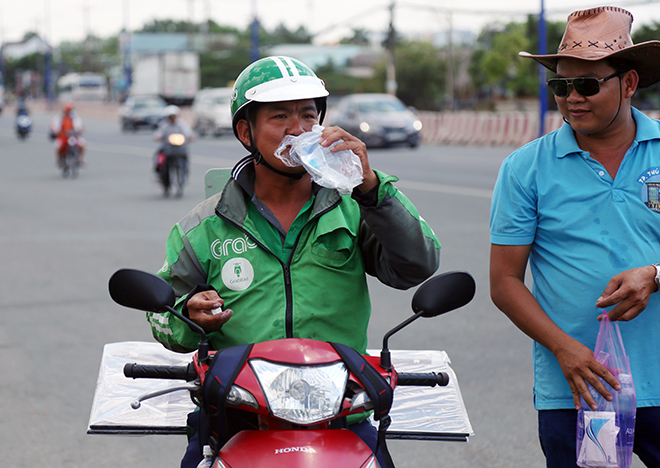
360,37
338,83
420,75
282,35
647,98
496,68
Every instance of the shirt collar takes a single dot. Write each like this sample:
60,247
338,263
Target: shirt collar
647,129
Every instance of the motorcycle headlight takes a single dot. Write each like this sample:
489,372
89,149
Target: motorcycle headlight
176,139
302,394
72,141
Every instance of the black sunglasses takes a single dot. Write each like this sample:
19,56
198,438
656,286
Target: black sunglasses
586,86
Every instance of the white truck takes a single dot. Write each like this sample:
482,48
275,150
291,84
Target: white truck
172,75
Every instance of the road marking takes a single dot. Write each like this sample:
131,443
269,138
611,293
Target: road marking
220,162
149,153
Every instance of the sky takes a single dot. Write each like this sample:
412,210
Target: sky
62,20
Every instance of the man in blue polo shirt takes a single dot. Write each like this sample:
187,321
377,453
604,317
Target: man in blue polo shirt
581,206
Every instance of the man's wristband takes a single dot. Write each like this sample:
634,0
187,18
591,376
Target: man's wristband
657,275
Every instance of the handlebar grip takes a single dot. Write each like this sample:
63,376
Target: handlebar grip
141,371
427,379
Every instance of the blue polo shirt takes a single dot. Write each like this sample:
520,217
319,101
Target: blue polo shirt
584,228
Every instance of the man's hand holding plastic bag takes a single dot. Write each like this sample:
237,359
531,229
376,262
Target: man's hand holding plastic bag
333,157
605,437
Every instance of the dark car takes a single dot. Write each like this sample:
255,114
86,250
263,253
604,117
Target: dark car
142,111
377,119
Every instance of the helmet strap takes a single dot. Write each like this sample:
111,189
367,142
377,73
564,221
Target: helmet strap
259,159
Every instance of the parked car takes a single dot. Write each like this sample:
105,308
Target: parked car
211,108
377,119
142,111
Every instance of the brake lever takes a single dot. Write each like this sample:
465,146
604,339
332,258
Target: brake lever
191,386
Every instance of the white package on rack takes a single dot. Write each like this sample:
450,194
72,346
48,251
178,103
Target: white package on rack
436,413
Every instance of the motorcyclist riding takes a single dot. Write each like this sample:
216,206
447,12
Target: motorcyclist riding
283,256
23,121
61,126
174,134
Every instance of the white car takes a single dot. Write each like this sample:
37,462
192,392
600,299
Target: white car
212,112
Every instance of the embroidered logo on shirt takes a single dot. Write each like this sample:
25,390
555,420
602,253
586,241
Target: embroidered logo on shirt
237,274
650,180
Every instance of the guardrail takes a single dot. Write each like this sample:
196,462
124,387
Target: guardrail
488,128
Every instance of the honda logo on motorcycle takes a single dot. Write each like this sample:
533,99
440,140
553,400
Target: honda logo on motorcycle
294,449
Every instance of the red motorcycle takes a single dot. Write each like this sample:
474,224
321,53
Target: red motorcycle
294,389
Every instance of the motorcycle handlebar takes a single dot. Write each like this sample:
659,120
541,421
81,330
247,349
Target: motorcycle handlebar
142,371
427,379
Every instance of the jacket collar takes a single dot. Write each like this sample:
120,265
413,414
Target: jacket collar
232,203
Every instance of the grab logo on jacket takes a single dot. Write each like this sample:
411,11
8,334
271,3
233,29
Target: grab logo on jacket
224,248
237,272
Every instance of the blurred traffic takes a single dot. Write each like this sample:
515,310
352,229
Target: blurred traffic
377,119
142,111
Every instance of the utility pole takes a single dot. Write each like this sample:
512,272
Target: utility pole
543,92
48,57
86,43
254,36
125,45
450,65
390,83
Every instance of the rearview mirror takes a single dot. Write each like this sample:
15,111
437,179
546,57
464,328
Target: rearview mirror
444,293
141,290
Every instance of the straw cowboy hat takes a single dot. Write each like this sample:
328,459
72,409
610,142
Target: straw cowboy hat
604,32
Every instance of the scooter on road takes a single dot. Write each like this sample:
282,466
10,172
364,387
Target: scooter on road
172,164
23,125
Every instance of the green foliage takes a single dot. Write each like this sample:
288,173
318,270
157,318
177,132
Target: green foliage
647,98
420,74
496,68
282,35
34,62
360,37
219,69
338,83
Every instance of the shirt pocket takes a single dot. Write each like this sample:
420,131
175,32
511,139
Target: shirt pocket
334,248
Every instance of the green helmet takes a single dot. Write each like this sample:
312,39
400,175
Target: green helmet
274,79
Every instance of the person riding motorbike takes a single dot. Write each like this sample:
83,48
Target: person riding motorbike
23,121
61,126
169,151
275,255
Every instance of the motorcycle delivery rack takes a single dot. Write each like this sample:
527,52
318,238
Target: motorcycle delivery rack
438,295
419,413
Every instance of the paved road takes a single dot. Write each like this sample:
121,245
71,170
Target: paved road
62,239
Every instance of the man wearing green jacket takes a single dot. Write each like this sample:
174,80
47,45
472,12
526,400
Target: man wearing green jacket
274,255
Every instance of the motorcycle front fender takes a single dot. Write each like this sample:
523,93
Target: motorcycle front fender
329,448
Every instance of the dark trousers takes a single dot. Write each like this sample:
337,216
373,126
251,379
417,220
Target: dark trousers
557,433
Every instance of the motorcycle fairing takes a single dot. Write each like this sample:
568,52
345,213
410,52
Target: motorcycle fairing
296,449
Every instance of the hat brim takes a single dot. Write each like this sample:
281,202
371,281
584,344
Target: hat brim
645,56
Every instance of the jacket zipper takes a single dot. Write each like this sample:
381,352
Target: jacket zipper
286,267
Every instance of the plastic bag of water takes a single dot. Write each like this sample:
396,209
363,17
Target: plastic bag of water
341,170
